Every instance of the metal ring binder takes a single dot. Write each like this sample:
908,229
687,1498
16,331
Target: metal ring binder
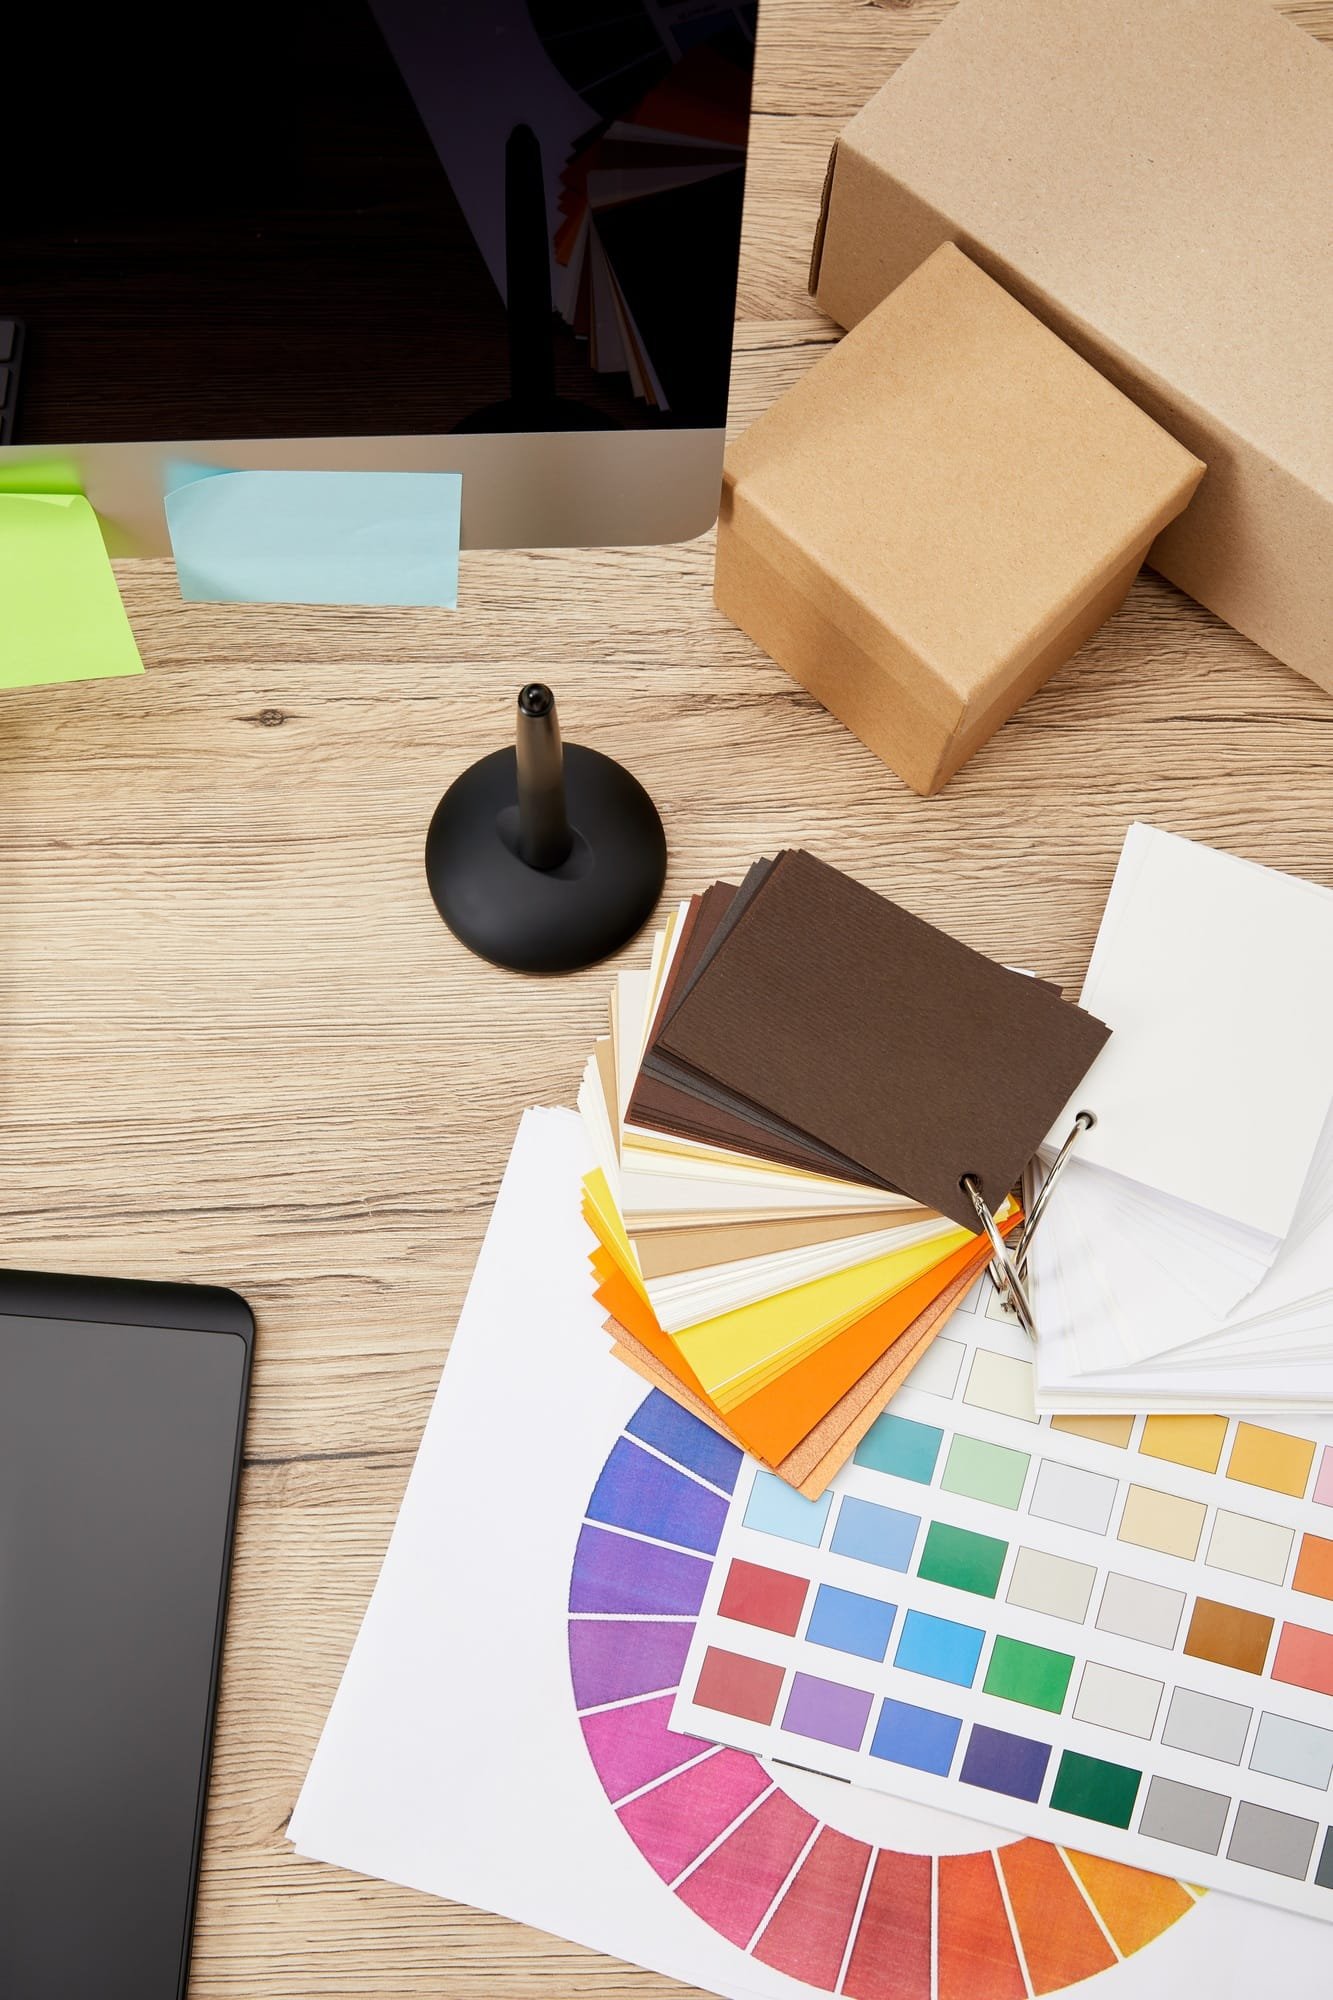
1010,1270
1084,1122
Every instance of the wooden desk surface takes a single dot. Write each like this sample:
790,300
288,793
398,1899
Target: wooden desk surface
239,1047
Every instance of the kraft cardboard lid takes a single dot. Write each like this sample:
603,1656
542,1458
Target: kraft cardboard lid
952,475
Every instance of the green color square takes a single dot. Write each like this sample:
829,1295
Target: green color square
900,1446
961,1559
1095,1790
1030,1674
990,1472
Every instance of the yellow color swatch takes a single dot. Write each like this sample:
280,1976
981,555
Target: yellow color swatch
739,1351
1102,1430
1271,1459
1193,1441
1162,1521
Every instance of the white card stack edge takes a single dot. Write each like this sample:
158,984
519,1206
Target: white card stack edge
1186,1260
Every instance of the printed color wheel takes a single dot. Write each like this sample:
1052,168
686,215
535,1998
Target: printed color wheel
796,1893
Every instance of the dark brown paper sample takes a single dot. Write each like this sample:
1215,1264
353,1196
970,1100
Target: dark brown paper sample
667,1098
878,1036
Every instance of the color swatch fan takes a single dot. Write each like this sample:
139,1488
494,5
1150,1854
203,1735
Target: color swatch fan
1187,1260
780,1220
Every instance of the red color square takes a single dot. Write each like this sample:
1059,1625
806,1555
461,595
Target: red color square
754,1595
1304,1659
737,1686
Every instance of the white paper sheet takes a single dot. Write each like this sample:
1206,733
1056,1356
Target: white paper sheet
1215,977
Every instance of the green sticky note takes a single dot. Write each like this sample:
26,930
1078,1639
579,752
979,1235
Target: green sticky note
40,475
61,618
1030,1674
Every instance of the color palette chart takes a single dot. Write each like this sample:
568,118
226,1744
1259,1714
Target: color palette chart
794,1891
1115,1632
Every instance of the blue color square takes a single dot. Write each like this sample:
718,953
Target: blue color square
851,1623
939,1648
774,1508
873,1534
917,1737
1001,1762
899,1446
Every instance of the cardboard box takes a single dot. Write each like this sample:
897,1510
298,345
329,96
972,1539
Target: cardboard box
1154,178
938,515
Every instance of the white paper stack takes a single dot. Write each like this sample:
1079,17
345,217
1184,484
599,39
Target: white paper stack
1186,1258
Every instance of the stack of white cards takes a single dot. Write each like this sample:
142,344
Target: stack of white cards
1186,1258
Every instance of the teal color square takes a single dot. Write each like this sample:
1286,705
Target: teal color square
901,1446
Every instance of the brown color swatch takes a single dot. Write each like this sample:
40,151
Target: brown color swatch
667,1098
1229,1636
857,1023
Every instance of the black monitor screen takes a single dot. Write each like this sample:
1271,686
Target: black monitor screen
325,218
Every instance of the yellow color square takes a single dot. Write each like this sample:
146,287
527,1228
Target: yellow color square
1270,1459
1102,1430
1162,1521
1193,1441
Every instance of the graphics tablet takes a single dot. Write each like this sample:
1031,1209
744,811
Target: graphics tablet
122,1408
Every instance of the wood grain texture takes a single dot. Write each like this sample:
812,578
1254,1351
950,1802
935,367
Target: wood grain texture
238,1046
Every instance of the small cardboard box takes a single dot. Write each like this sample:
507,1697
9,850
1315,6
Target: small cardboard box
1154,179
938,515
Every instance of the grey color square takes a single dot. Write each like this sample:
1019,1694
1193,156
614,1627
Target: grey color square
1277,1842
1297,1751
1323,1874
1185,1815
1051,1584
1207,1726
1073,1497
1134,1609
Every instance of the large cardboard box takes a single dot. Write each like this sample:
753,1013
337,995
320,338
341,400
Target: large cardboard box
938,514
1154,178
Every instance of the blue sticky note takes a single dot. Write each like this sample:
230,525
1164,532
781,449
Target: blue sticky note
314,537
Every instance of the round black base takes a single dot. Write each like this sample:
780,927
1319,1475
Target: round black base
546,919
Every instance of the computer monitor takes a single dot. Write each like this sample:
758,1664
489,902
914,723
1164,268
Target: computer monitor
498,237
